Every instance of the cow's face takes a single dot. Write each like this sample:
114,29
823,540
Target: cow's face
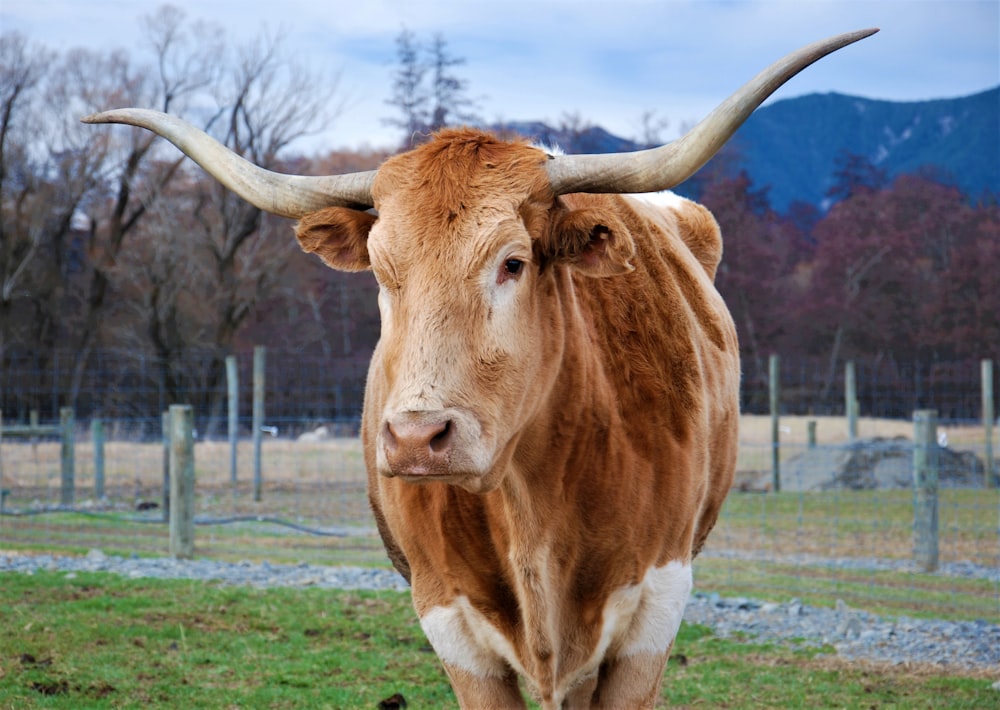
468,250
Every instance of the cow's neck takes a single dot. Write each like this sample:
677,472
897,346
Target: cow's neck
545,491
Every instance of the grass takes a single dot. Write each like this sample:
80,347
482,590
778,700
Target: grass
872,523
97,640
880,592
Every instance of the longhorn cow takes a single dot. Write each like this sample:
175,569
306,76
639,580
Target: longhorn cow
550,421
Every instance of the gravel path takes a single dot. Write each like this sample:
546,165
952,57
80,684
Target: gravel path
855,634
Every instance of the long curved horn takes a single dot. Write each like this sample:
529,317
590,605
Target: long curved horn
286,195
662,168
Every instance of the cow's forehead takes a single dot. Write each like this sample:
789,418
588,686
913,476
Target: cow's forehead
455,197
461,172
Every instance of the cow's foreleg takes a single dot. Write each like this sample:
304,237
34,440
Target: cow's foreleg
630,681
489,693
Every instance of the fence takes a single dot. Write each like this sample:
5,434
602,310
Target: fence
838,527
304,389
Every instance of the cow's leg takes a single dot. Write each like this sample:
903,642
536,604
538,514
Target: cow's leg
630,677
630,681
480,676
489,693
581,697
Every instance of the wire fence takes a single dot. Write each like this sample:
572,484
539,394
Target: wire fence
305,389
842,526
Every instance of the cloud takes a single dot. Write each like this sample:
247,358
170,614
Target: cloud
608,62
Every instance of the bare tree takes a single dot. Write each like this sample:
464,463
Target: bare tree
186,59
23,231
267,101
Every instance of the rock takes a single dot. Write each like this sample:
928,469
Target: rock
849,627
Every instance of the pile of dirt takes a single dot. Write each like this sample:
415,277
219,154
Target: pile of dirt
874,463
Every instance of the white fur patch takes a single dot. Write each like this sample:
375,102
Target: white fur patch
664,592
640,618
666,199
645,617
463,638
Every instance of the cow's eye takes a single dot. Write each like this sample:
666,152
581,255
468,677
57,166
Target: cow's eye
510,271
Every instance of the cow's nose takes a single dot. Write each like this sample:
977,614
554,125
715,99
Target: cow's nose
418,447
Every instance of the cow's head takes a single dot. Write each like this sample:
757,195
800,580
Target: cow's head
464,242
466,249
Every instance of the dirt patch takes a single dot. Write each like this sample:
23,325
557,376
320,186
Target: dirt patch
866,464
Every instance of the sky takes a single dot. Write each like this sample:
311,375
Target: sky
607,62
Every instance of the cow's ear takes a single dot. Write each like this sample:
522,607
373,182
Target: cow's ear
593,242
338,236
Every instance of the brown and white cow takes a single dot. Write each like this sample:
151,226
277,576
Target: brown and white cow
551,411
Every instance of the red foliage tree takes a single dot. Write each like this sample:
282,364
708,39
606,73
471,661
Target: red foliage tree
761,255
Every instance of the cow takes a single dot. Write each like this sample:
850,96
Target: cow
551,411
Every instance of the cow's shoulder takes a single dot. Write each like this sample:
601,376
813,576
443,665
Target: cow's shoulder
695,225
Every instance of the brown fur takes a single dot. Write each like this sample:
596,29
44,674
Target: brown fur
600,384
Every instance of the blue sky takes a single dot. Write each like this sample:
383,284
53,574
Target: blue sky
606,61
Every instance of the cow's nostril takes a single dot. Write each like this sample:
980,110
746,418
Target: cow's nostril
389,436
441,441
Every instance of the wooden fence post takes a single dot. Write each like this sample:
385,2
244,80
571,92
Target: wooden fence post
851,400
66,425
988,414
3,491
233,389
259,355
925,489
165,424
97,436
181,481
811,433
775,396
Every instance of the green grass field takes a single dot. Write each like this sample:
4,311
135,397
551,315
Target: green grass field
762,535
101,641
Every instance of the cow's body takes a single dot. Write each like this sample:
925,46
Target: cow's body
608,410
551,411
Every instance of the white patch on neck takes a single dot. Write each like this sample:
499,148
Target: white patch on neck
667,199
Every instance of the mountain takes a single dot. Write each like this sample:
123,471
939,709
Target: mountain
792,145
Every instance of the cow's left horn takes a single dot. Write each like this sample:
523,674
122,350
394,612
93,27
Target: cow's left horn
664,167
287,195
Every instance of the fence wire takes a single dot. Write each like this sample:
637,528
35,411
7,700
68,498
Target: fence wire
819,537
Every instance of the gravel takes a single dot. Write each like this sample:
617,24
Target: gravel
854,634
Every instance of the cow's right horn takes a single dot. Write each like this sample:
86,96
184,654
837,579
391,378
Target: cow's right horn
286,195
664,167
